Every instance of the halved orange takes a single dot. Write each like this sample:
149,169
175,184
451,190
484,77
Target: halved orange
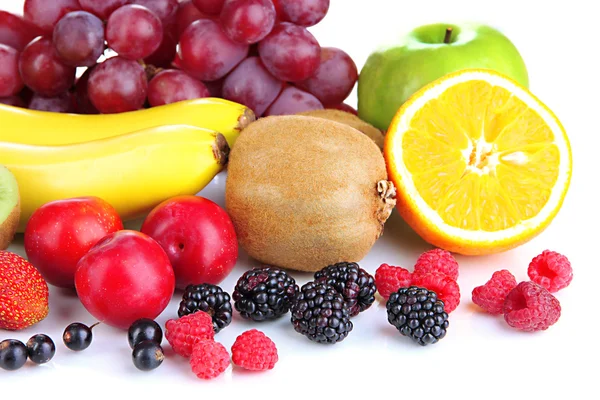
480,164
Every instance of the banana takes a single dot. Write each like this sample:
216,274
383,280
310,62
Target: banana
134,172
51,129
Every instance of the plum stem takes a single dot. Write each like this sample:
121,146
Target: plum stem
448,35
96,324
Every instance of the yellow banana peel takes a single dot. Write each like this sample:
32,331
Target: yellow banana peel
50,129
134,172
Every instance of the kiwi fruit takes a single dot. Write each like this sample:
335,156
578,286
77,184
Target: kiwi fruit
306,192
10,207
351,120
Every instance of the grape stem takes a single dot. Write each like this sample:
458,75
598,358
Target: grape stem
448,35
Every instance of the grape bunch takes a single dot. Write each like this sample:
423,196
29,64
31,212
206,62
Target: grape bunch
113,56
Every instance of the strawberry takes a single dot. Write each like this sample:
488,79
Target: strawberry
23,293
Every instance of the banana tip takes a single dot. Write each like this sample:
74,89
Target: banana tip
245,119
221,149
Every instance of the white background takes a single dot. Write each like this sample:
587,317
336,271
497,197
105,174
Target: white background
480,357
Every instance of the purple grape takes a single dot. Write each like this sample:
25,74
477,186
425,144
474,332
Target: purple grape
165,10
43,71
134,32
15,31
292,101
207,53
302,12
335,78
102,8
252,85
10,78
290,52
248,21
45,13
79,39
62,103
171,86
210,7
118,85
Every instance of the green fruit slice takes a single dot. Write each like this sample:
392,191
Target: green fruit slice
10,207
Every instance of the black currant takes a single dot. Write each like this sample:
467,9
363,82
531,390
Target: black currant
147,355
77,336
13,354
144,329
40,349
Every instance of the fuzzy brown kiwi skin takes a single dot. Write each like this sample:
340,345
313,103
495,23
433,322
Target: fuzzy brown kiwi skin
350,120
8,227
306,192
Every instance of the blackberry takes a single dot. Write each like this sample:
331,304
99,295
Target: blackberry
264,293
208,298
320,313
355,284
417,313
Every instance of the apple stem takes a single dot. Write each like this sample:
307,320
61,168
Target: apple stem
448,35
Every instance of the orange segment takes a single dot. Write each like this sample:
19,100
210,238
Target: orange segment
423,152
460,206
480,164
433,185
436,119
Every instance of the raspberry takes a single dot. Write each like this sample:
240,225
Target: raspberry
445,287
437,260
389,279
186,331
531,307
209,359
254,351
551,270
491,296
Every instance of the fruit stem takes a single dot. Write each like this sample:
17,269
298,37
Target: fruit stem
448,35
96,324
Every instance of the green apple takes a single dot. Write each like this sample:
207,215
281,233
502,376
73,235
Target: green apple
10,207
392,74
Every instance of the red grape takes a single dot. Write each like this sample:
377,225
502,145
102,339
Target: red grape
134,32
215,88
45,13
83,104
118,85
10,79
15,31
171,86
165,54
102,8
43,71
186,14
252,85
165,10
334,79
61,104
210,7
14,101
343,107
292,101
207,53
290,52
303,12
79,39
248,21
